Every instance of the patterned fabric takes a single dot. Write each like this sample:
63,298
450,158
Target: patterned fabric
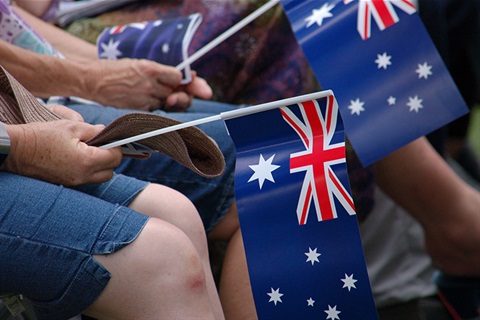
260,63
16,31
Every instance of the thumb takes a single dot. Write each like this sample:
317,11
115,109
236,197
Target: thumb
85,131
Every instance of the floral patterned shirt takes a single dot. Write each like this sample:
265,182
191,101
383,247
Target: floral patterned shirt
14,30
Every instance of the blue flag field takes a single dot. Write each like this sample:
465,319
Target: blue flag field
297,216
390,82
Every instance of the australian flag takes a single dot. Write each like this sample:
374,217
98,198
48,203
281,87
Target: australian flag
165,41
391,84
297,216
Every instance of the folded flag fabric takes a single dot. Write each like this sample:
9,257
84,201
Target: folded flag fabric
165,41
301,237
391,84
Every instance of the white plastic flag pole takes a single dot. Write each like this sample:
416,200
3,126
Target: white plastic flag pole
222,116
212,44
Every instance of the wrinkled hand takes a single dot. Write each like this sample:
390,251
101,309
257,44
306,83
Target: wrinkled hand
141,85
66,113
181,99
54,152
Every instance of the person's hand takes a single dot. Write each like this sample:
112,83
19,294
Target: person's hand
66,113
181,99
139,84
53,151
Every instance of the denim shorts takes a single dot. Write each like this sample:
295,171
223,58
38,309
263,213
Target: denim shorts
49,233
211,197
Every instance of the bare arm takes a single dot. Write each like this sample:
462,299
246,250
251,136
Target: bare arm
70,46
419,180
127,83
36,7
41,74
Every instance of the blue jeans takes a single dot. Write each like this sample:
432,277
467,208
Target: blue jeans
212,197
49,234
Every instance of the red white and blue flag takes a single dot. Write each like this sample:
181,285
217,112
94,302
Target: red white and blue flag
165,41
296,212
317,159
391,84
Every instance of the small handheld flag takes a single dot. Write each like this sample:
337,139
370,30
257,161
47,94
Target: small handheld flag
301,237
391,84
165,41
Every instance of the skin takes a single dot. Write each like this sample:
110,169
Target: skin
150,280
125,83
419,180
45,151
450,215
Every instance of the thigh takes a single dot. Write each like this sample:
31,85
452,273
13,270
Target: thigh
211,197
48,236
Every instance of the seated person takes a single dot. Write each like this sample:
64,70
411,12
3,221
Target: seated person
259,63
102,244
236,306
138,85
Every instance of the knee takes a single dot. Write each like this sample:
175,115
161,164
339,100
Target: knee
170,205
171,258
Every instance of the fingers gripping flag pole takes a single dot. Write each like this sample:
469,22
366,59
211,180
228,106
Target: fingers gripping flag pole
376,55
164,40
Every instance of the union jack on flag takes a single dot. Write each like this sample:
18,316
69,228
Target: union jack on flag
300,266
382,11
391,84
321,183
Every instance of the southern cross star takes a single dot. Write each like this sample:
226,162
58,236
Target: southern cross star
312,255
332,312
310,302
349,282
415,103
356,107
275,296
383,60
424,70
391,101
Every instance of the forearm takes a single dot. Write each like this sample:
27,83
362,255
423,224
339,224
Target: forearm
70,46
44,75
36,7
423,183
419,180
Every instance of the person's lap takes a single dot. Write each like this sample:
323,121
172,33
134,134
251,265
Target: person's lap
49,234
212,197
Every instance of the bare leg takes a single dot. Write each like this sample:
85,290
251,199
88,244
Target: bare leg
165,272
235,290
173,208
157,276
